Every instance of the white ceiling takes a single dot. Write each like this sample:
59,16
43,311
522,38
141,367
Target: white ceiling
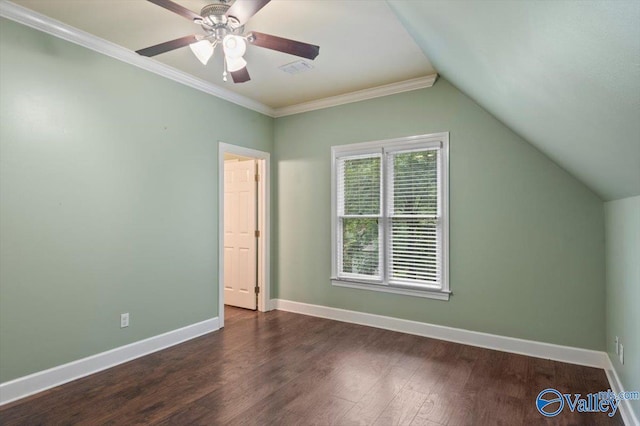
362,44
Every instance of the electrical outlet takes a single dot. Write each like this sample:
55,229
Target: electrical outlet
124,320
621,354
617,345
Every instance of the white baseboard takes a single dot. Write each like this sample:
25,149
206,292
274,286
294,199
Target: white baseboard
628,415
47,379
567,354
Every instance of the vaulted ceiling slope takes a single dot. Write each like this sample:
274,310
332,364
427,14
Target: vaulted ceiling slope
565,75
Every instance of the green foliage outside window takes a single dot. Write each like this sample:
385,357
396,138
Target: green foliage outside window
361,197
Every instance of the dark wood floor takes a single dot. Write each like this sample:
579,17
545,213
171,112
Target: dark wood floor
280,368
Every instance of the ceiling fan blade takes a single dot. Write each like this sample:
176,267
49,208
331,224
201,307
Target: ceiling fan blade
176,8
298,48
242,10
240,76
167,46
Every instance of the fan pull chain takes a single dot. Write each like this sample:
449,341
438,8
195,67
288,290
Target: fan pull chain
224,74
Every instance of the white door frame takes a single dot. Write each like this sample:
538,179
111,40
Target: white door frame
264,223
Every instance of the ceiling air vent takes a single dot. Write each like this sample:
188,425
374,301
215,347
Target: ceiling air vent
296,67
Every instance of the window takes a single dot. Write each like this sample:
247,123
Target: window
390,216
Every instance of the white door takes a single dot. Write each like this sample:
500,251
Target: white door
240,248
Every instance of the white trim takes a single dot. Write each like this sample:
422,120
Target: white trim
532,348
359,95
66,32
56,376
265,210
264,265
369,146
435,294
626,411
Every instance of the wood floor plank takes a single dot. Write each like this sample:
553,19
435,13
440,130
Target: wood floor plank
289,369
418,421
191,414
541,375
446,408
497,408
269,416
433,370
402,409
327,411
384,390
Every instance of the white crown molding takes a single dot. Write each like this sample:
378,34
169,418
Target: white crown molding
360,95
532,348
66,32
626,411
56,376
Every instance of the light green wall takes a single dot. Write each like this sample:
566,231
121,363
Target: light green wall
527,239
622,219
108,200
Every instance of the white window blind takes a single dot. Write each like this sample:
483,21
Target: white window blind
359,213
413,238
390,215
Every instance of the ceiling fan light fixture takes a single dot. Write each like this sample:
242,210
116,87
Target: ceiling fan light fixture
234,46
235,64
203,50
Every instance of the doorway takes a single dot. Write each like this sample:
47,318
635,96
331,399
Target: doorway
243,228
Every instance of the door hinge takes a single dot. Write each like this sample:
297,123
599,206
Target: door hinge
257,234
257,290
257,177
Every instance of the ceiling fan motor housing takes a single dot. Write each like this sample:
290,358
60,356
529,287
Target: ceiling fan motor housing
219,9
216,22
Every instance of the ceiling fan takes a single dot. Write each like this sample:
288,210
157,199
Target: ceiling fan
223,24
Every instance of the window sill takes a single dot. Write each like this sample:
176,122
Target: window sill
429,294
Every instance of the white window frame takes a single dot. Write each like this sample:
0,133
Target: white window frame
385,146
